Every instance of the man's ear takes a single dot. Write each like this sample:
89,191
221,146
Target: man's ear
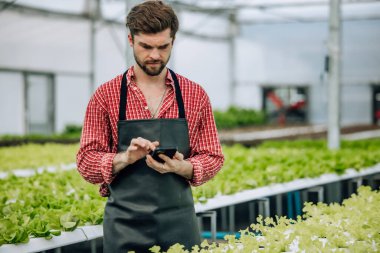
130,39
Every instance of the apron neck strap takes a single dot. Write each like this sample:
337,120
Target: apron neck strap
178,95
124,90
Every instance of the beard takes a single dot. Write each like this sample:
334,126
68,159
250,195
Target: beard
151,70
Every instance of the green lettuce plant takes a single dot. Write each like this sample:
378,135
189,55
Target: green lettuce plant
353,226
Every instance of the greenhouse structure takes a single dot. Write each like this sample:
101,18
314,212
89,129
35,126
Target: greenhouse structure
47,52
306,179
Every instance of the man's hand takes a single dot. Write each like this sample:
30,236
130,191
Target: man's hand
138,148
176,165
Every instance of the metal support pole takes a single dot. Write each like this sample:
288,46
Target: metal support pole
231,213
223,212
264,207
93,246
212,216
95,13
318,189
305,196
290,205
374,181
297,203
233,32
200,222
357,181
334,192
334,46
213,226
251,212
57,250
294,204
92,56
129,58
321,191
279,205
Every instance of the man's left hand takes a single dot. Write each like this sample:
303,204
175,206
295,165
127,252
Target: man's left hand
176,165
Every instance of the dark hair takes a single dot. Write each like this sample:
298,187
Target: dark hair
152,17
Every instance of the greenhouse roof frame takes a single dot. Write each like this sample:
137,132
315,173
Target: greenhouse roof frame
243,12
247,12
237,12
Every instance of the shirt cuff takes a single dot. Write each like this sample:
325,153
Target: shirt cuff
106,167
197,172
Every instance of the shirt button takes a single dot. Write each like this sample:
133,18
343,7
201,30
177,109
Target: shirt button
134,88
146,107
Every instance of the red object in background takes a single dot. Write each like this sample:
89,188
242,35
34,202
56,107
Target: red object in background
275,100
279,105
297,105
377,114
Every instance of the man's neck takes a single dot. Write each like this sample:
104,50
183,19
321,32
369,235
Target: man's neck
143,78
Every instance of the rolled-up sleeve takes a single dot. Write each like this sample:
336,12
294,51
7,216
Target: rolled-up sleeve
207,157
95,156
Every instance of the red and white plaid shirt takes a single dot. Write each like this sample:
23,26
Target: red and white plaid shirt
99,138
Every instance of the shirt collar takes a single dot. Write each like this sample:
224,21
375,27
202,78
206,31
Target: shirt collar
131,77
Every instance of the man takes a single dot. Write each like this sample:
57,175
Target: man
149,202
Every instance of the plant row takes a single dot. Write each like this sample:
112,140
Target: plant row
279,162
33,156
233,117
41,205
71,134
353,226
45,204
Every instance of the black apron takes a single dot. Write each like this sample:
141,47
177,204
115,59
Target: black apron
146,208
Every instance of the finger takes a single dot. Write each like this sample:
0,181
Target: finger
151,162
132,148
143,143
140,142
159,167
165,158
178,156
148,160
153,145
147,143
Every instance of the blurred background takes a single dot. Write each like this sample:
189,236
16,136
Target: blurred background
268,56
275,70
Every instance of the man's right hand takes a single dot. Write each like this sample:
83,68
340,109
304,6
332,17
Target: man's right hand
137,149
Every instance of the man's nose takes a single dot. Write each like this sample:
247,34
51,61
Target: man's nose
155,54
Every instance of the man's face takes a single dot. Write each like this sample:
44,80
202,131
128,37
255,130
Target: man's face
152,51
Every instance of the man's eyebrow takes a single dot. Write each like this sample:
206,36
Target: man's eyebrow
164,46
147,45
144,44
